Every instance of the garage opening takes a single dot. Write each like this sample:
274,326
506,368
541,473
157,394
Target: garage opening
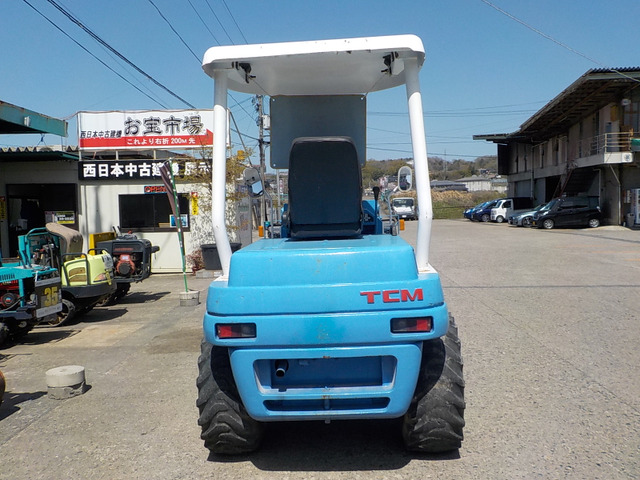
33,205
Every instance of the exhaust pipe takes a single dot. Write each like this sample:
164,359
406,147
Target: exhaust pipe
281,368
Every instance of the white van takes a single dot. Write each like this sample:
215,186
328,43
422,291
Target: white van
510,206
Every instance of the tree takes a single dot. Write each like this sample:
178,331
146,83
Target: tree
198,172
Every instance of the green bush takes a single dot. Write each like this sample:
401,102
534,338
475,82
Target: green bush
451,204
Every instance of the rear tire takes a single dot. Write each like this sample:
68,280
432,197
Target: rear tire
594,223
227,428
21,331
485,217
435,419
548,224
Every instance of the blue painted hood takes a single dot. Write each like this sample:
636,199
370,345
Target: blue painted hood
283,276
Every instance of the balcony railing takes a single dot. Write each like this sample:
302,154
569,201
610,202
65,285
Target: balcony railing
605,143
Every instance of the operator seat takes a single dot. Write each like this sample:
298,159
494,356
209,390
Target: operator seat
70,240
325,188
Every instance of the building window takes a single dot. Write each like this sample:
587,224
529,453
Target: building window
151,212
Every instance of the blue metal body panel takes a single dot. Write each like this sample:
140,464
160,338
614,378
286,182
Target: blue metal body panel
328,383
32,305
325,307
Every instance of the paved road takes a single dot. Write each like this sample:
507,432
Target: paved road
549,325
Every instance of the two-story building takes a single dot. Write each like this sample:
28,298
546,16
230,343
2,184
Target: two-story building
108,184
584,141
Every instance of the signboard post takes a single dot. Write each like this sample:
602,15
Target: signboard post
167,177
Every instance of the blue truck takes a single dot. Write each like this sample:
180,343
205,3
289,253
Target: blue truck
315,325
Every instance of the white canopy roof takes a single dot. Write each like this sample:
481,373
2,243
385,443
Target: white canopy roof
343,67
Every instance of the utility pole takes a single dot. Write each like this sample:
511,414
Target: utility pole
263,201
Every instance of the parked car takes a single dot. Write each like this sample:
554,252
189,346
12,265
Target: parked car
508,206
468,213
484,214
569,211
524,219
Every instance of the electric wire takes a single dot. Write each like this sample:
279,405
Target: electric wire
244,147
91,53
102,42
431,154
234,20
203,22
174,30
452,114
97,38
219,22
557,42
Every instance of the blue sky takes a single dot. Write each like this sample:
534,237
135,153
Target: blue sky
485,72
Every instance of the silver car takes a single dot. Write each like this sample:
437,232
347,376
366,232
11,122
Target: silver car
524,219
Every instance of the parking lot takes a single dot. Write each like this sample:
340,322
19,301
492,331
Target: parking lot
549,323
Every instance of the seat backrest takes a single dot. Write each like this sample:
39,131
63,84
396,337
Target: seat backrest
70,240
325,188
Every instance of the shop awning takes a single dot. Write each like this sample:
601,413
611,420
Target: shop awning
14,120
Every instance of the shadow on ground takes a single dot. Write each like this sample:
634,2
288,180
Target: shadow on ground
39,336
141,297
356,445
11,402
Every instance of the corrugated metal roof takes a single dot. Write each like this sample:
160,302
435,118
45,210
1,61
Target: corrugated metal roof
38,153
592,91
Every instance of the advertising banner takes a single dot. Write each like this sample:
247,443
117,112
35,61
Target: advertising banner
145,129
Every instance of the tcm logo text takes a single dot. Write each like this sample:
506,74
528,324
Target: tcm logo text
393,296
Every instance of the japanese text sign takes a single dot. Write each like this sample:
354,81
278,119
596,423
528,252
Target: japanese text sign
145,129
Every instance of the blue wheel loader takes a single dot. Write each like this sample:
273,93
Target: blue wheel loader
339,318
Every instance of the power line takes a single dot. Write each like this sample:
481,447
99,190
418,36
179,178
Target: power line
119,55
454,114
185,43
174,30
219,22
102,42
430,154
557,42
234,20
94,56
192,52
113,50
203,22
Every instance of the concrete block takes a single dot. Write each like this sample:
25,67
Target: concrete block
190,298
66,382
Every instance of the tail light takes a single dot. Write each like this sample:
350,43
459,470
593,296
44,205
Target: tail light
412,325
236,330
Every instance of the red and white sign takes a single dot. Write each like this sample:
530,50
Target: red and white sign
145,129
